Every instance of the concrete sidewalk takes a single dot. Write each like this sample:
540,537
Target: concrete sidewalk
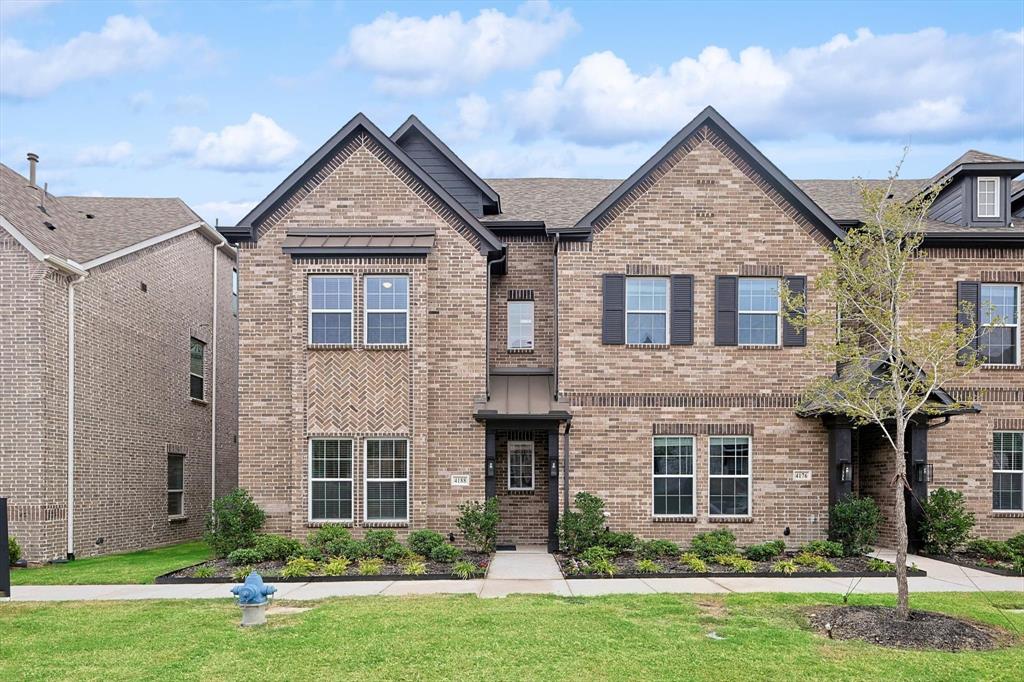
534,571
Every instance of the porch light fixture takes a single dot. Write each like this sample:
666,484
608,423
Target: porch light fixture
490,467
846,472
924,473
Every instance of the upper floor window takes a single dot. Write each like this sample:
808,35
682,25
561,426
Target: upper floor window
234,291
520,325
999,336
759,319
387,310
1008,471
646,310
673,476
330,309
988,197
197,351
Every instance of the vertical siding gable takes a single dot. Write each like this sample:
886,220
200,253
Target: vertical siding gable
431,160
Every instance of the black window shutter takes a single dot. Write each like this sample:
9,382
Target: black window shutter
969,292
682,310
726,305
791,336
613,319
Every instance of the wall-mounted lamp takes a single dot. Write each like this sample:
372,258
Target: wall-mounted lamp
554,468
846,472
490,467
924,473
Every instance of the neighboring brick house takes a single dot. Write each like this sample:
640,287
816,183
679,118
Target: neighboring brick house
413,337
153,376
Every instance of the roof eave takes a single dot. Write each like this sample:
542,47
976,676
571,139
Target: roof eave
974,239
354,251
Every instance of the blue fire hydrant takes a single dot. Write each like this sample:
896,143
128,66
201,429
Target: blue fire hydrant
252,597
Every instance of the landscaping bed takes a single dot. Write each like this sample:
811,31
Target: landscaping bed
979,563
924,630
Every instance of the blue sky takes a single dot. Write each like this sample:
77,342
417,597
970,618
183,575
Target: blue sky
217,102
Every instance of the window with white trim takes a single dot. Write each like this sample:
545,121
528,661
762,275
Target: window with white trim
673,476
520,465
520,325
387,479
196,365
330,479
1008,471
175,484
234,291
729,476
759,320
988,197
330,310
999,336
387,310
647,310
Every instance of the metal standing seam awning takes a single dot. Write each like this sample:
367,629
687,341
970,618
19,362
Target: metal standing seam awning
358,241
518,394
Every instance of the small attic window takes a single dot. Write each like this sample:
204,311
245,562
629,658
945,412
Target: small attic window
988,197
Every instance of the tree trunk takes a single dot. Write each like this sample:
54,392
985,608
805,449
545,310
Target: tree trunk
900,483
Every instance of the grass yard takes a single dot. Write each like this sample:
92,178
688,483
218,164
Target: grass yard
649,637
115,569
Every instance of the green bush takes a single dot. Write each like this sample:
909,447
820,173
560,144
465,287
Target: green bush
414,567
233,522
947,524
602,567
241,573
597,553
818,563
693,562
656,549
13,549
276,547
445,553
205,572
648,566
299,567
853,522
371,566
424,541
618,542
766,551
378,541
786,566
479,524
993,550
337,566
583,527
245,557
465,569
826,548
713,543
735,561
1016,544
329,539
394,554
879,565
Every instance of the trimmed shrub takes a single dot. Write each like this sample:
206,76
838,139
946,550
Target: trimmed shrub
713,543
424,541
993,550
879,565
785,566
766,551
656,549
329,539
618,542
597,553
853,522
735,561
465,569
371,566
1016,544
693,562
299,567
445,553
947,524
479,524
826,548
414,567
337,566
379,541
276,547
818,563
233,522
13,549
205,572
602,567
582,527
395,553
245,557
648,566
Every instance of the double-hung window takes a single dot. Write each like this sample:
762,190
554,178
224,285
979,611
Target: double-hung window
1008,471
999,336
520,325
330,309
646,310
387,479
729,476
759,319
330,480
988,197
520,465
387,310
197,352
673,476
175,485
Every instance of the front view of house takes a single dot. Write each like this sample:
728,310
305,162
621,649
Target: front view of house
413,337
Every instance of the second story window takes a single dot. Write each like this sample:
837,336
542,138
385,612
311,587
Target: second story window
988,197
234,291
999,336
646,310
197,351
758,314
387,310
330,309
520,325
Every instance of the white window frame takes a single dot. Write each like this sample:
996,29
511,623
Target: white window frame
202,375
508,325
1006,471
310,480
692,476
533,465
367,480
644,311
367,310
1017,352
311,310
778,312
234,291
977,196
170,490
750,479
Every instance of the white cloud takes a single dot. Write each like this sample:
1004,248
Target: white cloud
104,155
258,144
12,9
412,55
926,83
140,100
122,44
475,115
224,212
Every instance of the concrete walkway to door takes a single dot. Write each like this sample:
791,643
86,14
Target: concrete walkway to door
529,569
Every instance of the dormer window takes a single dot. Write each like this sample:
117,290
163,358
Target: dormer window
988,197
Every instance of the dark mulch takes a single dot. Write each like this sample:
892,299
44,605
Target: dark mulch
925,630
671,566
978,562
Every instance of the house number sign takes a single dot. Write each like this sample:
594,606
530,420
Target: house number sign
460,479
802,475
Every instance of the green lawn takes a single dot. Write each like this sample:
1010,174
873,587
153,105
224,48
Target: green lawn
649,637
115,569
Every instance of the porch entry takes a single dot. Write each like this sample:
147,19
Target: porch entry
521,467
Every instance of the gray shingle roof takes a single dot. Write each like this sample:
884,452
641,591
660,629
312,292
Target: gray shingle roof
118,222
20,204
970,156
559,202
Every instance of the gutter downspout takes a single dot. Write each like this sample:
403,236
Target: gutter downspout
565,465
555,284
487,326
71,416
213,389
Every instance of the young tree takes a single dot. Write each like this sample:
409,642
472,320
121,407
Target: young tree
889,363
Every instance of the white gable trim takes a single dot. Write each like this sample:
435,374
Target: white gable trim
21,239
202,227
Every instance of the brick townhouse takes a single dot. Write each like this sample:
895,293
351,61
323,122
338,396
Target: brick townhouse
413,337
119,356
